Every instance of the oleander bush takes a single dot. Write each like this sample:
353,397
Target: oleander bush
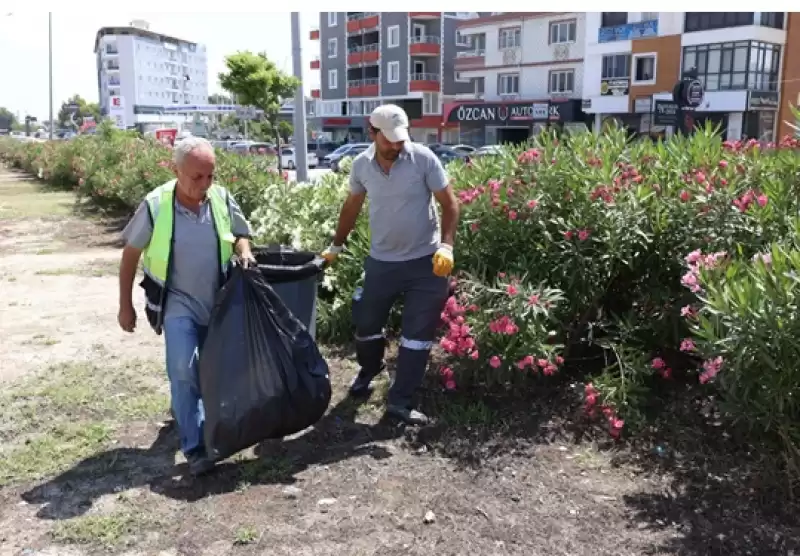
628,263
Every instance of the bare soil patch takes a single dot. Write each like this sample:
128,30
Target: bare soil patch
89,461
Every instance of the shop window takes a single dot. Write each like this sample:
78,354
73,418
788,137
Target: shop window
644,69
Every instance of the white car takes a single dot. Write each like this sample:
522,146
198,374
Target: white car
288,159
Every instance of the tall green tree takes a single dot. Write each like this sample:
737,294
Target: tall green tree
7,119
255,80
85,109
286,130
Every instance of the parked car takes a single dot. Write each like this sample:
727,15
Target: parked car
322,148
447,154
465,149
353,152
331,159
289,161
262,149
488,150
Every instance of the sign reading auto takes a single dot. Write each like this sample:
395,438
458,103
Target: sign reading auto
501,113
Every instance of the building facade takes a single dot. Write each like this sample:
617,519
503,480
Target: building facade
526,73
634,59
369,58
140,72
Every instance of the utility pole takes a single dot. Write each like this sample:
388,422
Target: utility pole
50,56
300,144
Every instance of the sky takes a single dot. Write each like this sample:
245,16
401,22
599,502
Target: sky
24,49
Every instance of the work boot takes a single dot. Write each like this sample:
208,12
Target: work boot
199,463
361,387
407,415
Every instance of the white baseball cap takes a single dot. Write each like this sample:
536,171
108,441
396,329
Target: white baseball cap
392,121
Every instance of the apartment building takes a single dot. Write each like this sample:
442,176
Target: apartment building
526,73
369,58
140,72
634,59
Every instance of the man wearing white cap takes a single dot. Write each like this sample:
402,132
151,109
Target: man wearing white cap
411,256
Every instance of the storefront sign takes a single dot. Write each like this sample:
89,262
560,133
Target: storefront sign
762,100
500,114
693,93
628,31
642,105
666,112
614,87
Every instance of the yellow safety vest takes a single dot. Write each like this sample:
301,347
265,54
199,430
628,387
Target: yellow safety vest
157,256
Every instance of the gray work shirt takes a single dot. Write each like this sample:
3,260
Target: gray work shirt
194,277
403,220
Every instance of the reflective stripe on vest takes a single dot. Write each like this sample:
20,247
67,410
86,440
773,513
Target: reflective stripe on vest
160,203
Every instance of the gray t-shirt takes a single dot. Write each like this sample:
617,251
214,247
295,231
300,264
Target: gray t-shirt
403,220
194,278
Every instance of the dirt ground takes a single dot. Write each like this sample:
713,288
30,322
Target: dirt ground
89,461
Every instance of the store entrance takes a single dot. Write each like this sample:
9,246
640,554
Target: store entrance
513,135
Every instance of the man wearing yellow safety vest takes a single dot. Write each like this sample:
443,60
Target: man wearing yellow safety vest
186,232
410,256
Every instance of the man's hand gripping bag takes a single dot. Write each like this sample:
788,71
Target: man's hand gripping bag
261,374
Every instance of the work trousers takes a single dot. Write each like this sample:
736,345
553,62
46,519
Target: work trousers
424,295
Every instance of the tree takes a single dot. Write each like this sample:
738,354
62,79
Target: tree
285,130
256,81
7,119
84,109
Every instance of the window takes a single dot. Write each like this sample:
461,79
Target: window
332,19
461,40
430,103
562,81
394,72
704,21
772,19
611,19
562,31
734,65
370,105
333,47
644,69
508,84
460,78
355,108
333,79
616,66
393,37
649,16
332,108
510,38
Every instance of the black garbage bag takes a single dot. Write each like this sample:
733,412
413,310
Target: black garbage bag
261,374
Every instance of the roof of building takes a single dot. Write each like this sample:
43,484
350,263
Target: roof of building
131,30
483,19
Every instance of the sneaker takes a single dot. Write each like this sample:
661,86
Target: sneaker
407,415
199,464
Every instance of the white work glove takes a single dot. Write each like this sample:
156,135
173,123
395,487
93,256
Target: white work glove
331,253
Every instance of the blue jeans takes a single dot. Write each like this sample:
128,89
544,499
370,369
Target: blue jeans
184,340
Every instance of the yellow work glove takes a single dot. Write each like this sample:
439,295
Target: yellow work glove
331,253
443,260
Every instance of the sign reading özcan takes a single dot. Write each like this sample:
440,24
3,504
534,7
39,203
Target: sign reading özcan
501,113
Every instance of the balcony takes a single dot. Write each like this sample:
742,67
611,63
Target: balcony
424,82
363,87
111,51
470,59
366,54
315,64
314,35
315,93
424,15
428,45
113,82
362,22
629,31
113,66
